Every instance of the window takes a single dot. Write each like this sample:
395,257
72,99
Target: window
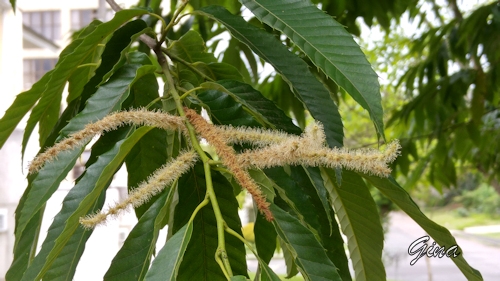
47,23
81,18
34,69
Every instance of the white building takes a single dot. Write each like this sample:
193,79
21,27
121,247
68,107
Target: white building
30,42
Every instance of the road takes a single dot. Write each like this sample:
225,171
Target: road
402,232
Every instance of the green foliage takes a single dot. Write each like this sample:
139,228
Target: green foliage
452,92
311,207
484,199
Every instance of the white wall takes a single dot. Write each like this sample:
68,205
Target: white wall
104,242
11,179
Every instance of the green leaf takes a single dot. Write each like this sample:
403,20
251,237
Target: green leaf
232,56
44,184
24,244
297,190
360,222
277,90
222,71
22,104
309,255
266,273
133,259
392,190
166,264
72,251
311,182
242,105
265,238
112,57
199,262
51,94
68,113
109,97
314,175
115,159
26,100
329,46
291,267
144,90
191,48
265,184
149,154
291,190
83,74
293,70
239,278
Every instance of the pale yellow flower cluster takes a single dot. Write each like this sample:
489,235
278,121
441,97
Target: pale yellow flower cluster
109,123
271,148
278,149
156,183
228,157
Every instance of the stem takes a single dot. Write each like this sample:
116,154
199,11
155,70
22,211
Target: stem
220,254
198,208
241,238
221,247
187,93
88,64
173,21
34,245
163,23
154,101
187,64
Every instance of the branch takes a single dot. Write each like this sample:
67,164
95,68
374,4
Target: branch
187,64
114,6
456,11
150,42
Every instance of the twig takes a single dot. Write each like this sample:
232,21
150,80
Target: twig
150,42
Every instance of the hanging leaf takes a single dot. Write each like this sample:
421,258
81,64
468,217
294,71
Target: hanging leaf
115,159
109,97
329,46
293,70
392,190
259,107
61,268
50,95
166,264
360,222
133,259
199,262
310,257
45,183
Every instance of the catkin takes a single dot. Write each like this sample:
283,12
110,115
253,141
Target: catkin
109,123
228,157
155,184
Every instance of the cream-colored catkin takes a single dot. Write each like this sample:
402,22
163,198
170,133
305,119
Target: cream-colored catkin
293,152
109,123
228,157
314,136
155,184
254,136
